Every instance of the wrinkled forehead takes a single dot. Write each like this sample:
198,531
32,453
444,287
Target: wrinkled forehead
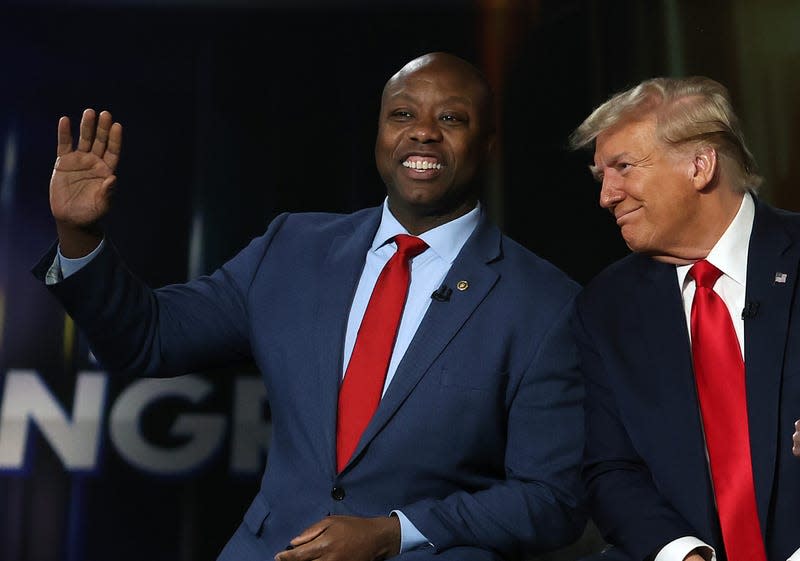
632,136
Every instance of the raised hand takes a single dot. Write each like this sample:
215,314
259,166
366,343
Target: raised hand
83,179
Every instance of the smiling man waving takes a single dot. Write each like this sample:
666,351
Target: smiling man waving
422,377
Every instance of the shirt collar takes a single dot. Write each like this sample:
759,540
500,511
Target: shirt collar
446,240
729,254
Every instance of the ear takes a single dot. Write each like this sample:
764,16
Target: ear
704,166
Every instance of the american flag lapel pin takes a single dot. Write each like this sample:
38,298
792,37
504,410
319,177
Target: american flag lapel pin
780,278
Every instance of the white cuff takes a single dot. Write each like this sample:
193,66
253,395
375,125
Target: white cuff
677,550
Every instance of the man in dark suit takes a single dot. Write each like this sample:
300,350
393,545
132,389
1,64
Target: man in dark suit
474,450
690,344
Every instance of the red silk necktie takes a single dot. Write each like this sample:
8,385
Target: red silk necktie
719,375
362,386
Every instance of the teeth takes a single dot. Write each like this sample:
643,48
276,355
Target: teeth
422,165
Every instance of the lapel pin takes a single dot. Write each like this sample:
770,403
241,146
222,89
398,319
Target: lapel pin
462,285
780,278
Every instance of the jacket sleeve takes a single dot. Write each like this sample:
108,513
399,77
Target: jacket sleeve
623,499
168,331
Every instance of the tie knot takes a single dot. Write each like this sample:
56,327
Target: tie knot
409,246
704,274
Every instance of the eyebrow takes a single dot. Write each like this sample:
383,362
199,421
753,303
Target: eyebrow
617,157
595,169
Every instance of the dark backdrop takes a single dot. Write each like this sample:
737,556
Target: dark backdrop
236,111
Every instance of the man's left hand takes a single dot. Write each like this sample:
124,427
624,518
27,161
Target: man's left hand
346,538
796,439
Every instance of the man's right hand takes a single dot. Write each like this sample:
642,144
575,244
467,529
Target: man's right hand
83,179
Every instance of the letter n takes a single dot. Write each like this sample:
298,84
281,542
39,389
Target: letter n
26,400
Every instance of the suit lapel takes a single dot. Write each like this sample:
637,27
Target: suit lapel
341,272
772,254
667,389
440,324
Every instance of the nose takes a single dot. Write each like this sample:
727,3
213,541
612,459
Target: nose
426,130
610,193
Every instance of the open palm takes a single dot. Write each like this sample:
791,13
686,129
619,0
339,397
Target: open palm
83,176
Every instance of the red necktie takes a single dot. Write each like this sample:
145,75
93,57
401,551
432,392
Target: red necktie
363,382
719,375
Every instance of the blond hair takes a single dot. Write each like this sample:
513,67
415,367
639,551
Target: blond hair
693,110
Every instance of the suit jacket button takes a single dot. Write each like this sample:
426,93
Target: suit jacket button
337,493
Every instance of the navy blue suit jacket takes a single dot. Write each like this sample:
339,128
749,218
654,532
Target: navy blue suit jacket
479,435
645,464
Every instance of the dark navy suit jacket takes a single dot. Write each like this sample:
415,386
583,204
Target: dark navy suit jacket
478,437
645,467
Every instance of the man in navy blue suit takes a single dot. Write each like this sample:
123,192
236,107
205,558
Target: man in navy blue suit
474,450
685,458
